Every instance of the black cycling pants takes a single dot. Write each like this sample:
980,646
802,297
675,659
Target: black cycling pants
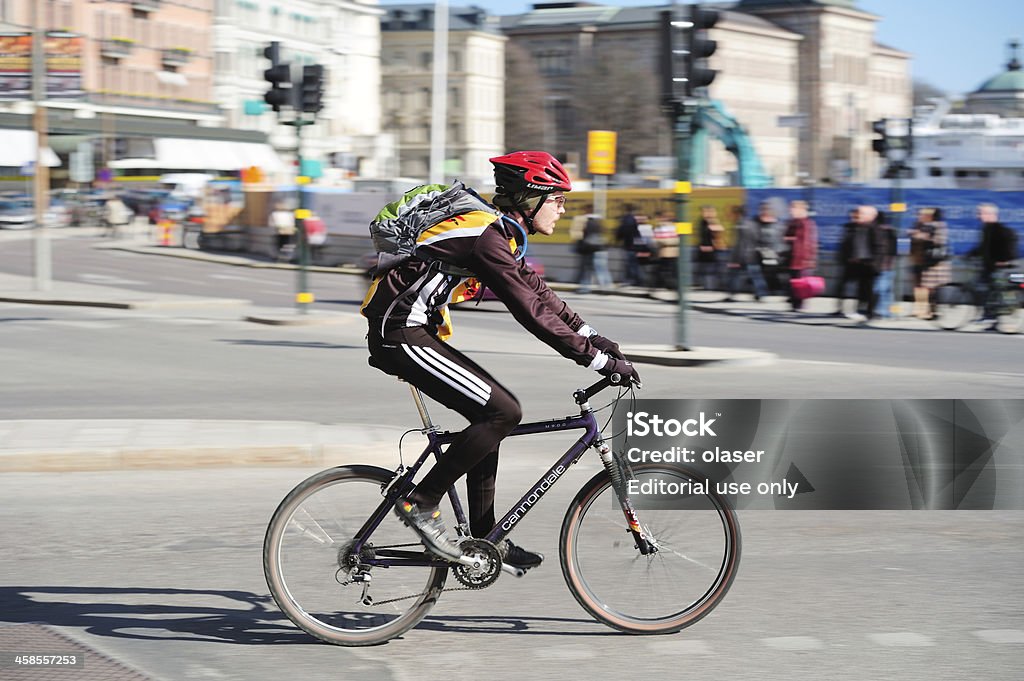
452,379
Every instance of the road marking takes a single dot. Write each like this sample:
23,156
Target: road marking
1001,635
685,647
902,639
793,643
108,280
234,277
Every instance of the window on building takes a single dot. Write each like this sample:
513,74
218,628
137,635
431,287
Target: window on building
554,62
426,60
935,172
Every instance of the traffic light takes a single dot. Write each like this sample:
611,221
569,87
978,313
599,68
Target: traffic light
880,145
312,89
279,77
672,58
698,75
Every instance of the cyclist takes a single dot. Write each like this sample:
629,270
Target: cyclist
997,250
406,306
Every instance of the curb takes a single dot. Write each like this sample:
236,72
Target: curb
665,355
223,259
127,305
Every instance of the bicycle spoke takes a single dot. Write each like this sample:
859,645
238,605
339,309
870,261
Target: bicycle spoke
317,580
663,591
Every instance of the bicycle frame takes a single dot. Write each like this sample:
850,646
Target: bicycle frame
402,483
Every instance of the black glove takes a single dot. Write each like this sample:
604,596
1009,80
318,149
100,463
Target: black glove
607,346
624,370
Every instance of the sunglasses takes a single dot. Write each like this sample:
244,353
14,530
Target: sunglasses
559,200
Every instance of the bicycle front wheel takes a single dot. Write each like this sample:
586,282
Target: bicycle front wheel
307,558
698,552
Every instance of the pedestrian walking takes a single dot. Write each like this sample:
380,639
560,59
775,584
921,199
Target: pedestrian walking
885,263
282,221
666,239
116,216
712,254
802,248
861,251
594,254
628,237
997,249
769,245
929,259
744,260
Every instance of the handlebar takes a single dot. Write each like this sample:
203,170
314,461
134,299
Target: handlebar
583,395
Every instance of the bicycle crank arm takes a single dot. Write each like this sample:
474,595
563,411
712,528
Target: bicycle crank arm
514,571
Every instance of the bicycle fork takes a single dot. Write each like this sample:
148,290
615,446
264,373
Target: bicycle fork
618,474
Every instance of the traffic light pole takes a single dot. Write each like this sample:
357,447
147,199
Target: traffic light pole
897,208
303,298
683,139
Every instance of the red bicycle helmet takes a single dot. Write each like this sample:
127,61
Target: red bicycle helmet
529,172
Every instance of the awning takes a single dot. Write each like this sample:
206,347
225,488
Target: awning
18,148
122,163
192,154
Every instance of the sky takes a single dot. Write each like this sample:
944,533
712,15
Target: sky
956,44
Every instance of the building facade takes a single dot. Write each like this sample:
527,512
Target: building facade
475,118
802,79
342,35
146,69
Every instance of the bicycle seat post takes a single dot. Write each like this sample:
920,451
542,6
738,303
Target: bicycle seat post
421,407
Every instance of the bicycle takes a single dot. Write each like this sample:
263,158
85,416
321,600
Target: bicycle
353,578
956,304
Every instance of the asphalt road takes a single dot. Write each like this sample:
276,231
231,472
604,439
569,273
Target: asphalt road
161,571
984,358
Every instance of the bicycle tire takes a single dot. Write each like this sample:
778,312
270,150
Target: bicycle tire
607,575
302,553
952,307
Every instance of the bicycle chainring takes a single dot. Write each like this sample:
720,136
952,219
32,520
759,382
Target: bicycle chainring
490,564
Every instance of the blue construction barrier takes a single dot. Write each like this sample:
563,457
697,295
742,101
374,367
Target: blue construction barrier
832,207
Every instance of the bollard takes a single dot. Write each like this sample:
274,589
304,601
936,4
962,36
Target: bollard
165,232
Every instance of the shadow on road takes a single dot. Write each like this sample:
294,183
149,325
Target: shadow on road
169,614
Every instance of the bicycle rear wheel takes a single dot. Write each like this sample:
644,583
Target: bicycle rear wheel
698,554
1012,319
305,556
953,307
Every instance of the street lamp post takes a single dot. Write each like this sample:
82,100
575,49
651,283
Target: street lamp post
43,256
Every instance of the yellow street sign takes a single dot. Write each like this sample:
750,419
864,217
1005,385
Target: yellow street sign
601,152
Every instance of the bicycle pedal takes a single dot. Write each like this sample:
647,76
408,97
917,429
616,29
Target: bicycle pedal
512,570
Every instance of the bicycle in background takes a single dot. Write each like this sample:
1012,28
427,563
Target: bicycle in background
958,304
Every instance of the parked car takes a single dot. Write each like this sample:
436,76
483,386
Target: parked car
19,212
16,213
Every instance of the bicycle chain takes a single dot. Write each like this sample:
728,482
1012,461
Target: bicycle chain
404,598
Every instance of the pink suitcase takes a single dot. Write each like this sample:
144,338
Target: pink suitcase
808,287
